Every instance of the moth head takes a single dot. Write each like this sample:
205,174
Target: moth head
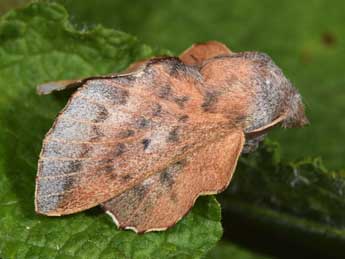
276,101
295,112
276,97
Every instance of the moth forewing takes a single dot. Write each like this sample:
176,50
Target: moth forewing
88,159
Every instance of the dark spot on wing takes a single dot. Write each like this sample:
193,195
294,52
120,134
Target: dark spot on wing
68,183
175,66
167,177
102,114
108,169
139,191
174,135
106,165
142,123
181,100
128,80
164,91
112,175
146,143
120,149
97,133
180,164
106,161
126,133
74,166
157,109
116,95
209,99
126,178
120,96
183,118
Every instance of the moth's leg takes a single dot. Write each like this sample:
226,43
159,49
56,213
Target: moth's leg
199,52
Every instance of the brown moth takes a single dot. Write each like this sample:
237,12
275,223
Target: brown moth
146,143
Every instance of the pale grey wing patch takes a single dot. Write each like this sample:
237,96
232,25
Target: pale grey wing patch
54,168
44,204
59,150
113,162
69,130
54,185
93,124
83,109
104,90
64,166
107,163
59,177
75,131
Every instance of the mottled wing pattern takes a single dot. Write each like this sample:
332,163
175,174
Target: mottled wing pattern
116,133
165,197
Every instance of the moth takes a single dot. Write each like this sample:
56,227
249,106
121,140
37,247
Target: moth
146,143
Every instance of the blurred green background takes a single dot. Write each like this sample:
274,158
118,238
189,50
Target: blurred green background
305,38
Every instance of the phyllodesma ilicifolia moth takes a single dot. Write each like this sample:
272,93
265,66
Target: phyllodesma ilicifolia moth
146,143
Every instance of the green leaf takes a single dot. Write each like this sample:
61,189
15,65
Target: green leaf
38,44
